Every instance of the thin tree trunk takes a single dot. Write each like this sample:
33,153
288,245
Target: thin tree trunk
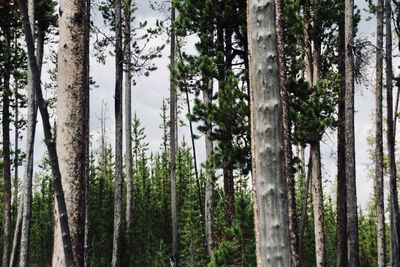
16,140
116,253
379,197
394,204
288,171
60,200
351,187
207,96
173,144
128,125
341,218
72,127
270,206
6,157
318,204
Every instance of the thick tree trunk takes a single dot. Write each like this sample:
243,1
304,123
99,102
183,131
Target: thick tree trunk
173,144
229,190
116,253
341,218
379,197
72,91
59,193
128,125
271,221
318,205
288,171
351,193
394,204
6,158
207,96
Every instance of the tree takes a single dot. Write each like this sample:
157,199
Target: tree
271,226
351,193
73,85
378,138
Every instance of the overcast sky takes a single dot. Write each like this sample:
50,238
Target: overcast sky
149,92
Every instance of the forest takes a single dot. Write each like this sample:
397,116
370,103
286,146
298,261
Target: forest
199,133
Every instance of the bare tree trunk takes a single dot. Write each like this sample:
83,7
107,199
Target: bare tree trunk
351,194
6,156
173,145
318,204
128,126
72,91
394,204
380,208
16,140
116,253
271,218
207,96
341,218
60,200
288,171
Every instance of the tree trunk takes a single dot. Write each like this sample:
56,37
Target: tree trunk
207,96
128,125
379,197
6,156
59,193
288,171
72,91
341,218
116,253
394,204
351,193
270,206
318,204
173,144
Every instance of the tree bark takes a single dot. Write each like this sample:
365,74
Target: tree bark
341,218
116,252
128,125
72,91
379,197
271,221
59,193
288,171
318,204
6,155
351,193
173,143
394,204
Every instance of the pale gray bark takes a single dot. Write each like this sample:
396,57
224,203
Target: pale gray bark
59,193
128,122
391,141
271,221
72,91
116,252
207,98
351,194
173,145
379,197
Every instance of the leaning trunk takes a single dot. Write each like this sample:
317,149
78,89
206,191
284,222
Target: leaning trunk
271,222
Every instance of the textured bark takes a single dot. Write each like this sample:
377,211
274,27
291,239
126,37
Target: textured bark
51,147
6,157
394,204
207,96
116,253
73,86
351,193
288,171
318,204
128,122
341,217
173,144
307,43
379,197
271,221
